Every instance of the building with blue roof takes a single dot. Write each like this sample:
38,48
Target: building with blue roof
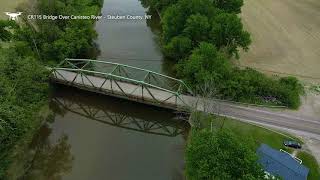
281,164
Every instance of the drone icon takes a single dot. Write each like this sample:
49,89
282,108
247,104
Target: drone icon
13,16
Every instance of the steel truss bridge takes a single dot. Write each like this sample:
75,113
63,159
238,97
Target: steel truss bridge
116,118
124,81
149,87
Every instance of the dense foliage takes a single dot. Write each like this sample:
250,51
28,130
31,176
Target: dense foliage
23,78
58,39
202,36
23,89
158,5
207,64
221,155
201,20
5,26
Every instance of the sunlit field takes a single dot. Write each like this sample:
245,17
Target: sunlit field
286,37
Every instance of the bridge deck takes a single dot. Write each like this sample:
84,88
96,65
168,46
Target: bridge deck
120,89
292,121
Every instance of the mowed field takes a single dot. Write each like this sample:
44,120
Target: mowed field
286,37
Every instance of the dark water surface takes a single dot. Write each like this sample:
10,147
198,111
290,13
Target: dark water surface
129,42
92,136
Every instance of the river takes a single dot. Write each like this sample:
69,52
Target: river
127,41
132,42
92,136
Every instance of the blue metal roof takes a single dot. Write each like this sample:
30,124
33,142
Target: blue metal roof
281,164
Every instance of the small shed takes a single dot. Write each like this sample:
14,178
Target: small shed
281,164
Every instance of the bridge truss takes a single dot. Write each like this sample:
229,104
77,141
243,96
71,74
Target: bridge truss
118,79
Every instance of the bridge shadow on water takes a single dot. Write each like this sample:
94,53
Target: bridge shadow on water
57,154
118,112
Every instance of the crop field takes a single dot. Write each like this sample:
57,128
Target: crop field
286,37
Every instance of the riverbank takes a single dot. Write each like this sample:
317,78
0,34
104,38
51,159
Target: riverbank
24,78
24,92
21,157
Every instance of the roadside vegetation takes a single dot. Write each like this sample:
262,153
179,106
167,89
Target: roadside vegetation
203,38
310,162
259,134
25,49
212,135
221,155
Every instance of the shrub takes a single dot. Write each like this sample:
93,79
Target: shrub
178,48
23,88
207,64
221,155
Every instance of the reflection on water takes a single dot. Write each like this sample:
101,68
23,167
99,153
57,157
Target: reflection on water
120,118
132,42
129,41
98,137
52,159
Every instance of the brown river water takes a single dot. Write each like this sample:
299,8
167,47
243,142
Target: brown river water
92,136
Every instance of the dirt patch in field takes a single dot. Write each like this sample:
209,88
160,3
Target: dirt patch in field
286,37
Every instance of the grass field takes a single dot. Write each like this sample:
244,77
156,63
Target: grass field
286,37
310,161
259,134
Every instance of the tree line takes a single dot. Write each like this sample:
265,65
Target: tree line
25,49
23,91
204,37
54,40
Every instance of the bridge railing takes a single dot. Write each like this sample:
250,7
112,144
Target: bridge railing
117,72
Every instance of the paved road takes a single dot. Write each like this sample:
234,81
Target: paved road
303,125
278,118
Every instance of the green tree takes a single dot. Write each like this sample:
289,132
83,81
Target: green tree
159,5
178,48
57,40
197,28
221,155
290,91
227,32
175,16
230,6
205,64
23,88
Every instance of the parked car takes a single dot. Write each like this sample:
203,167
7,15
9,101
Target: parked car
292,144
